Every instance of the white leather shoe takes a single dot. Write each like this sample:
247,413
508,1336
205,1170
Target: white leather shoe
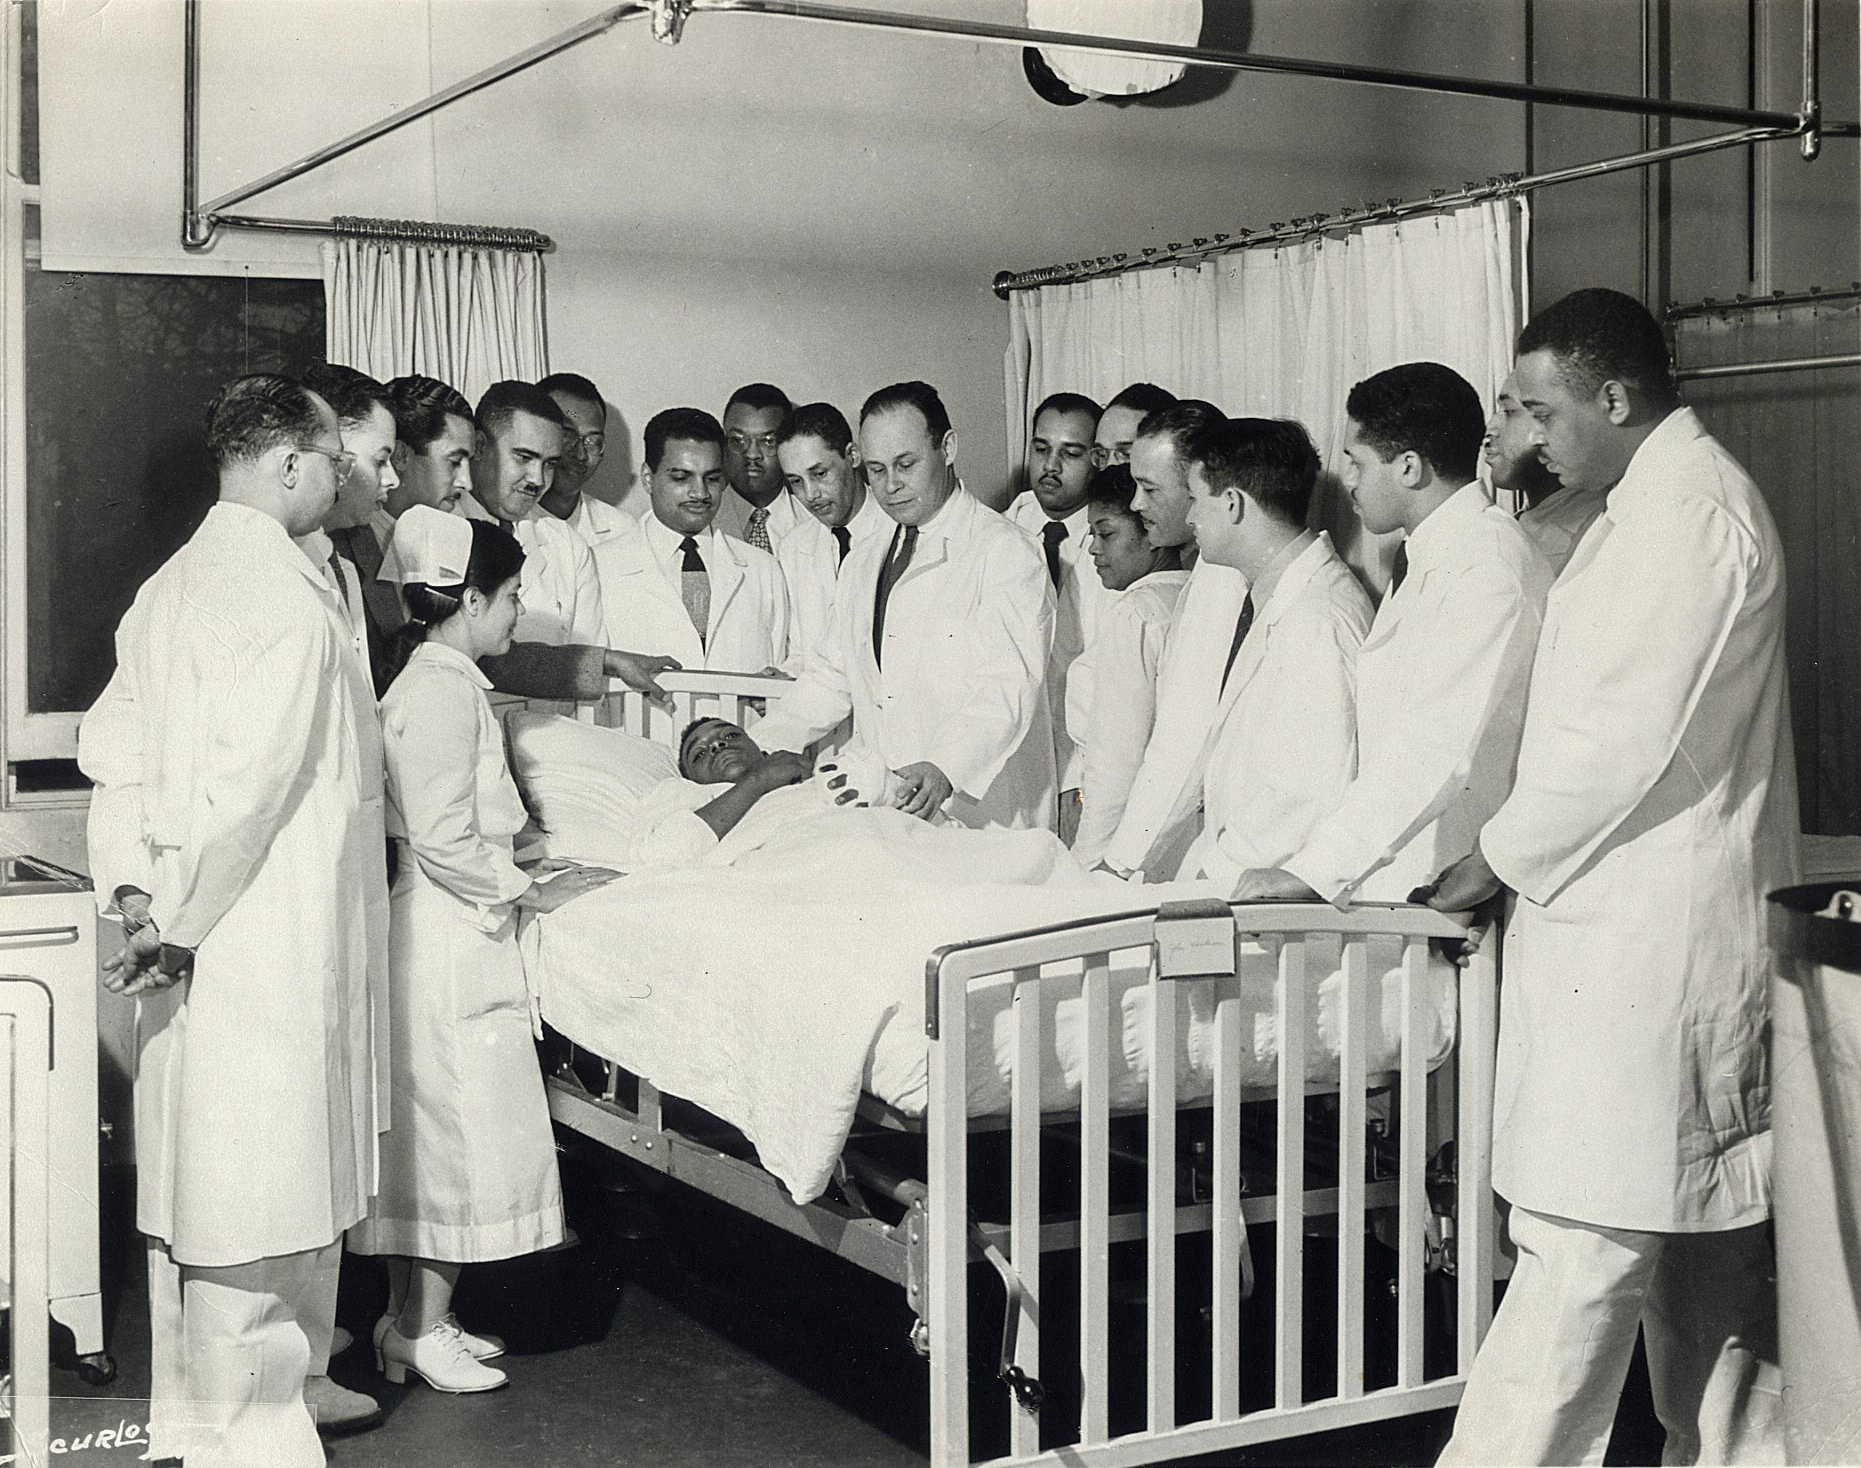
439,1358
335,1408
482,1347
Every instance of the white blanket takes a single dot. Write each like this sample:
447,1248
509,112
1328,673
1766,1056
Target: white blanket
772,987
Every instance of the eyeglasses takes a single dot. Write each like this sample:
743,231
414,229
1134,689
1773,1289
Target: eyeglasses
342,462
742,441
593,445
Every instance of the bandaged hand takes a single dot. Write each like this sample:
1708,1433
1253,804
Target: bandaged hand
922,790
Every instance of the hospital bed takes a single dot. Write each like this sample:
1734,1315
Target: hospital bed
1045,1126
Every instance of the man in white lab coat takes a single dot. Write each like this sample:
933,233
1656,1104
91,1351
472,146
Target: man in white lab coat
940,636
1156,829
233,823
682,587
561,651
1060,466
1655,805
1441,680
1553,516
820,465
757,507
1284,744
608,529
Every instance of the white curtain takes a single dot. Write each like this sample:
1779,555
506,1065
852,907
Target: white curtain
1285,332
469,317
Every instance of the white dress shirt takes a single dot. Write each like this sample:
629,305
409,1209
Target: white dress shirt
968,632
1284,746
1111,701
1557,524
1440,702
786,513
809,556
747,626
1158,825
560,587
1079,602
608,532
1654,808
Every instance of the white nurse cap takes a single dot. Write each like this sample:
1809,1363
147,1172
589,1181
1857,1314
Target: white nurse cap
430,547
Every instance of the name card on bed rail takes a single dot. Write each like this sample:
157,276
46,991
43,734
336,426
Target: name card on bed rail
1195,939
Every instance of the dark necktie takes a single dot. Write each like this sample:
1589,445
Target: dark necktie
904,545
1241,625
844,538
1053,532
695,586
1399,568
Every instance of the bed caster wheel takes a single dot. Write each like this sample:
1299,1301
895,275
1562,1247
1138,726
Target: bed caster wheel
920,1338
98,1369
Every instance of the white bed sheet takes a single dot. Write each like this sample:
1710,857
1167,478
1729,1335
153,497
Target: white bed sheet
773,996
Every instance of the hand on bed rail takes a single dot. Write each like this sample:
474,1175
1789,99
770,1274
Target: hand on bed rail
1471,889
640,672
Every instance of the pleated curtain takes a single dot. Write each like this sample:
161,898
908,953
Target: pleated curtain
1799,435
469,317
1284,332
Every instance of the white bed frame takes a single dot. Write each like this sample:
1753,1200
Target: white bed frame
929,1251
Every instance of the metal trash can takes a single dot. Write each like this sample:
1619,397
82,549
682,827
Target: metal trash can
1816,1116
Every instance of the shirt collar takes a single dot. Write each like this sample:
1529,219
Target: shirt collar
1293,579
267,536
948,515
665,541
1430,540
1675,429
450,657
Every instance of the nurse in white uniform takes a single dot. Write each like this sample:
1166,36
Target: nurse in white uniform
468,1168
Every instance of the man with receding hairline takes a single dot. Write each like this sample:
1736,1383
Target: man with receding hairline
939,638
1123,415
230,809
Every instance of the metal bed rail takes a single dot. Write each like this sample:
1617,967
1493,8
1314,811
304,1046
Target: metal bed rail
1301,940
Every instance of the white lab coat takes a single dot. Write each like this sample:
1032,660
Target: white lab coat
786,513
748,627
609,534
1440,702
1284,746
468,1169
810,560
1158,827
1079,602
968,631
1556,525
1655,806
560,587
1111,702
236,714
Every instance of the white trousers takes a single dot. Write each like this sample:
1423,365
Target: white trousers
1546,1383
228,1359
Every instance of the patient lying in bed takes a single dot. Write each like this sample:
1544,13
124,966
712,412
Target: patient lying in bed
774,810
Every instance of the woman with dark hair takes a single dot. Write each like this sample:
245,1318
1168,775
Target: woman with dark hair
468,1169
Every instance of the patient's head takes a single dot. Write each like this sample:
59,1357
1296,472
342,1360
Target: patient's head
714,751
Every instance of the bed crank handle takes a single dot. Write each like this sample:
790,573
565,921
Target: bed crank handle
1028,1391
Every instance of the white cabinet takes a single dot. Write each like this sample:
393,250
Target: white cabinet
48,933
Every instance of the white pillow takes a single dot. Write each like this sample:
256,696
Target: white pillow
582,783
